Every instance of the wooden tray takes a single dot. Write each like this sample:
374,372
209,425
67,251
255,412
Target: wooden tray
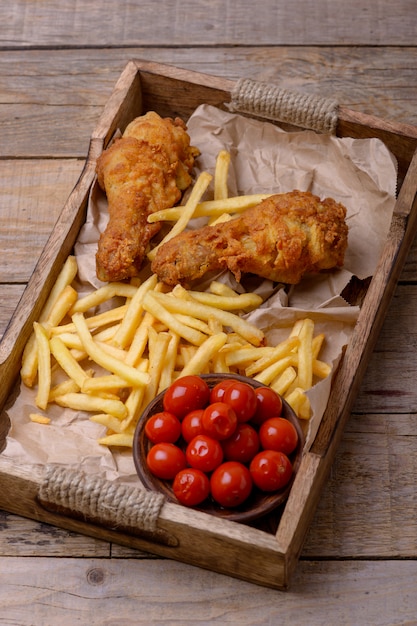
264,556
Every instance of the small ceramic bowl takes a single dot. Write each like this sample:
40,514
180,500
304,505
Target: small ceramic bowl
258,504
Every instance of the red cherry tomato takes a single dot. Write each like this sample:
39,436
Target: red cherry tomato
270,470
269,404
277,433
165,460
217,392
186,394
242,398
163,426
242,445
204,453
192,425
219,420
191,486
231,484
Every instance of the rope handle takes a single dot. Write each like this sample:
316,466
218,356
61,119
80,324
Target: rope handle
266,100
113,505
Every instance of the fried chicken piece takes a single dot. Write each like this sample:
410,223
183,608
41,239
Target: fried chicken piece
144,171
283,238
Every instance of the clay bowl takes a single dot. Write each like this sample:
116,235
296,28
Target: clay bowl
257,505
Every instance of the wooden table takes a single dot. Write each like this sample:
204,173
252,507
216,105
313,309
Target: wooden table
58,64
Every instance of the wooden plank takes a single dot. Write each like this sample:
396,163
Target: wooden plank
33,194
366,509
21,537
389,385
71,87
111,591
9,298
189,23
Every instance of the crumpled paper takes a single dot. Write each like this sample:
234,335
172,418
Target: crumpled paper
360,173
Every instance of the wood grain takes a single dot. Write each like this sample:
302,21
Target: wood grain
111,592
29,212
41,107
56,73
189,23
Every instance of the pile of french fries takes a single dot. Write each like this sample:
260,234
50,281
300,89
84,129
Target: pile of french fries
114,362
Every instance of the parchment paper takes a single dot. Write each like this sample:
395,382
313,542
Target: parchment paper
360,173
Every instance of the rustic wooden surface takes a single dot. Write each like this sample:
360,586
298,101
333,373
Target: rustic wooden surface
58,64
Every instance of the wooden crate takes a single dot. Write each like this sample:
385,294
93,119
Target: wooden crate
257,554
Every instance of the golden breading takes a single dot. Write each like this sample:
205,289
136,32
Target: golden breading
283,238
144,171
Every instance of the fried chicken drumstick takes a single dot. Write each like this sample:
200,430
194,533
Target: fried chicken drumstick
144,171
283,238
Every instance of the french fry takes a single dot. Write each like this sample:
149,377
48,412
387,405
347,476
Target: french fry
39,418
221,289
321,369
44,366
194,322
131,320
204,354
168,367
109,421
28,369
159,306
187,212
87,402
305,355
68,386
103,294
65,277
62,306
109,382
211,208
202,311
95,321
267,375
122,440
244,356
132,375
317,344
281,351
67,362
300,403
238,302
158,344
282,383
140,340
224,217
221,173
134,402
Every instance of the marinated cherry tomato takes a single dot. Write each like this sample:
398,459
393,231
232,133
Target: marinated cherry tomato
204,453
192,425
231,484
219,420
163,426
242,398
269,404
186,394
191,486
270,470
242,445
277,433
217,392
165,460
